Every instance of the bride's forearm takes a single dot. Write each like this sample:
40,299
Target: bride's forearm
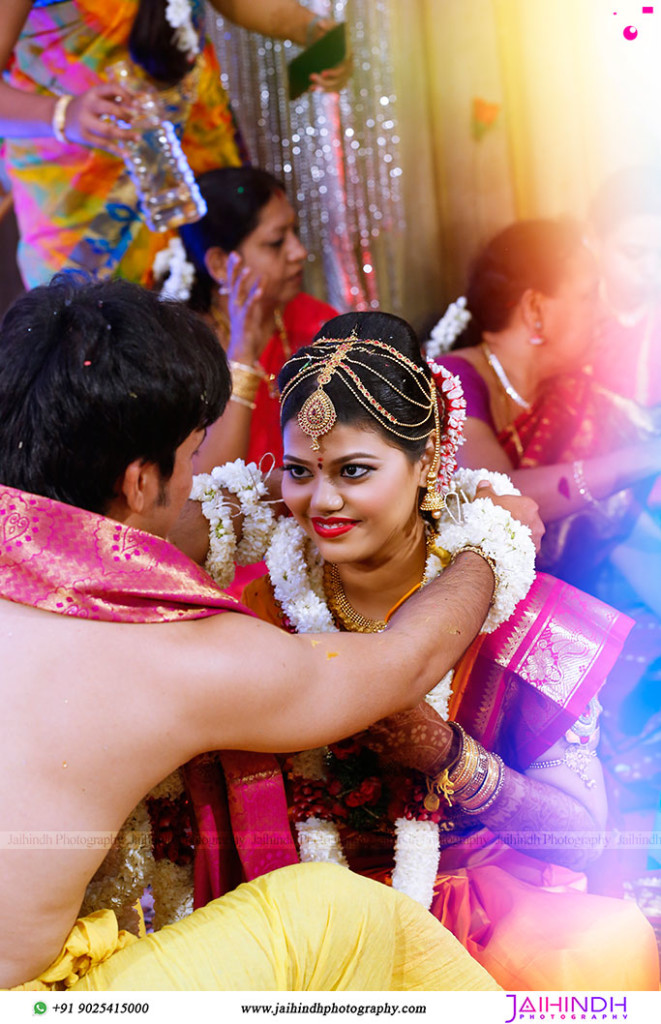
543,821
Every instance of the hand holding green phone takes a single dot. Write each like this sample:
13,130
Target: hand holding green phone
325,53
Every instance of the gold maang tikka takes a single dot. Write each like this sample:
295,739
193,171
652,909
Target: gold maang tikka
317,414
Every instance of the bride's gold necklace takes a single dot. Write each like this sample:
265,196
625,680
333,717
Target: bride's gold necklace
343,611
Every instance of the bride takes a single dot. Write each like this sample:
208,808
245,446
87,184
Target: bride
499,769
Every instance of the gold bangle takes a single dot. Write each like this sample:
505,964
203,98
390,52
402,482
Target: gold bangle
245,381
470,767
489,791
491,562
59,118
243,401
244,368
463,778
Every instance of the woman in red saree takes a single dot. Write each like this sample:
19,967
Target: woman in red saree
246,265
513,831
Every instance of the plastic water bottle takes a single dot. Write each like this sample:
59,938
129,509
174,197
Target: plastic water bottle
155,161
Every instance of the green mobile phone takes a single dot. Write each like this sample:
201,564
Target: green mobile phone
325,53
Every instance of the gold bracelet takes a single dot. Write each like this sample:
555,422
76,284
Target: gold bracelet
59,118
243,401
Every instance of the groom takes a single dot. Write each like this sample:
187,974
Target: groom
121,659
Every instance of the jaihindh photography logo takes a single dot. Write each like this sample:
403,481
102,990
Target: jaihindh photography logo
584,1006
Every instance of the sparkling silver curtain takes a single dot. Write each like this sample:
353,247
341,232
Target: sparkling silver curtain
338,155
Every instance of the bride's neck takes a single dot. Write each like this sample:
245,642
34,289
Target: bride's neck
373,587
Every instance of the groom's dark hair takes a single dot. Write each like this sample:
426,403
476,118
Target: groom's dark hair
94,375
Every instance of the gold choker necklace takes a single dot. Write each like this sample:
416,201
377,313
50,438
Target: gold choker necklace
342,611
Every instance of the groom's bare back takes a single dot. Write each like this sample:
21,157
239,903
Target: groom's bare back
96,713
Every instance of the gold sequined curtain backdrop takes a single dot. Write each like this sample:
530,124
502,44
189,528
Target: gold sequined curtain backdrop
496,109
338,155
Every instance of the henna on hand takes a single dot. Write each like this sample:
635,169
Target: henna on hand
418,738
544,822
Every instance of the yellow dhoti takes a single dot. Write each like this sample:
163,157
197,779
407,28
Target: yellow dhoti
308,927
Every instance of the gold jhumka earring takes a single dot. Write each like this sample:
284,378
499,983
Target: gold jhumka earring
433,501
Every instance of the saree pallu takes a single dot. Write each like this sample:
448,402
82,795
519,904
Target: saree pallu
528,922
76,207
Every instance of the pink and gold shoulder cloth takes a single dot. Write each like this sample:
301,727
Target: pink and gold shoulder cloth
65,560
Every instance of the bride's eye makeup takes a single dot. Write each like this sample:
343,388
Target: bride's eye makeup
295,470
354,471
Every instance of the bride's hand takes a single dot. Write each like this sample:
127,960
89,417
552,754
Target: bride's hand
524,509
418,738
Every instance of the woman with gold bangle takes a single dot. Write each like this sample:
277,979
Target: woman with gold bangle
246,263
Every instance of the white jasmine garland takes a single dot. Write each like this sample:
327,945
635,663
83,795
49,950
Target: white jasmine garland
287,563
169,788
416,859
448,328
171,884
465,481
178,15
130,867
180,273
439,697
127,869
505,541
172,889
319,841
222,538
247,482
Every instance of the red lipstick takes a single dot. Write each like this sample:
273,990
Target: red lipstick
334,526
